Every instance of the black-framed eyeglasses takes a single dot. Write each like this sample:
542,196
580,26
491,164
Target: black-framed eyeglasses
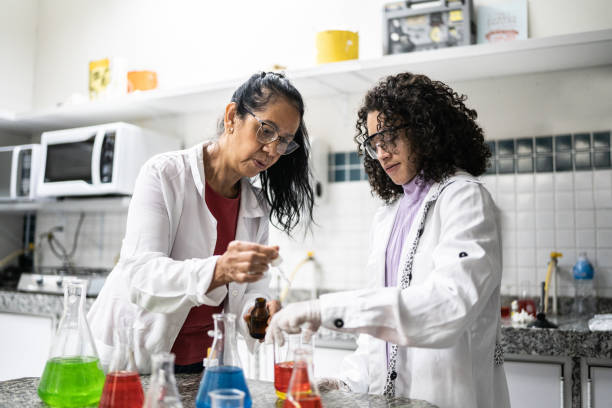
386,139
268,133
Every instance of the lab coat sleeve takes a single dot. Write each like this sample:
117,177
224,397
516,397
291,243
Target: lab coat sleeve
466,270
156,282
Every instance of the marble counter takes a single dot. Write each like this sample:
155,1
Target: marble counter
22,393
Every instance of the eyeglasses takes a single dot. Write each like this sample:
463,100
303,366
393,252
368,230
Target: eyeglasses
385,139
268,133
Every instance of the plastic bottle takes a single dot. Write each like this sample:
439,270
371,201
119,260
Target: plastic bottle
259,319
584,291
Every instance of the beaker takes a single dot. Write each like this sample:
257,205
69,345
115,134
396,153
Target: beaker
163,392
284,358
227,398
302,391
223,367
73,376
122,388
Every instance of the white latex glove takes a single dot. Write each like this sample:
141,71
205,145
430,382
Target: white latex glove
291,318
328,384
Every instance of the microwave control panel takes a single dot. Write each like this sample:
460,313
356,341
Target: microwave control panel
106,158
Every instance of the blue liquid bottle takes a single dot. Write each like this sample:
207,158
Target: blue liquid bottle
223,368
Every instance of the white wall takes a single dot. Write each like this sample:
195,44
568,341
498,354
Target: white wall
17,53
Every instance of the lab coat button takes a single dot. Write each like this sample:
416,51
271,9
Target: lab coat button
462,254
234,292
393,375
338,323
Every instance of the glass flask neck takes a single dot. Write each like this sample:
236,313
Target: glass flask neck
123,353
163,391
224,350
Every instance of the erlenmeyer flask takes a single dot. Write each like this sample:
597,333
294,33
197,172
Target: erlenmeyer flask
163,392
223,367
302,391
122,388
73,376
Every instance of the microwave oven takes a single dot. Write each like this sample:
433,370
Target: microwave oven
97,160
19,172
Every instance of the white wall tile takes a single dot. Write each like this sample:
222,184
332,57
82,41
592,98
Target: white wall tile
545,220
544,182
585,219
603,198
565,238
525,220
603,218
564,200
545,200
584,200
602,179
585,238
526,257
545,238
583,180
525,183
525,201
509,257
564,181
604,258
564,219
604,238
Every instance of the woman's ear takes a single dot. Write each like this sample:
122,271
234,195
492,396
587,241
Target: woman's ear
230,116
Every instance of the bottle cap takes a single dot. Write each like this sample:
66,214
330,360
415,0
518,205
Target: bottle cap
583,270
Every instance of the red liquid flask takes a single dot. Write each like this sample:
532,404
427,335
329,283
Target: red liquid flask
284,356
528,305
302,391
282,375
122,389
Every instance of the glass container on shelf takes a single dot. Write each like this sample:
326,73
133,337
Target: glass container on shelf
122,388
284,359
223,367
302,391
73,376
163,392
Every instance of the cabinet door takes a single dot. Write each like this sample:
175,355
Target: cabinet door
601,387
534,384
24,345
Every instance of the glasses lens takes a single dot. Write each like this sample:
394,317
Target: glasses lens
287,148
371,151
266,133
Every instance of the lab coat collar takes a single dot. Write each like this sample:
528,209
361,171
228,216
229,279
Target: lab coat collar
250,206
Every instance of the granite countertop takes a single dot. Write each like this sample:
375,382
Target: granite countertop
22,393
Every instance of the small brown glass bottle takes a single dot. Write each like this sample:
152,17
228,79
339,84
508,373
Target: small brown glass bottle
259,319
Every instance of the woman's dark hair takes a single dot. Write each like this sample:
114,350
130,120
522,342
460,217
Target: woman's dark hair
286,185
441,130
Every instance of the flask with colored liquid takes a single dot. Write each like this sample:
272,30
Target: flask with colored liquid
73,375
122,388
259,319
223,367
302,391
163,392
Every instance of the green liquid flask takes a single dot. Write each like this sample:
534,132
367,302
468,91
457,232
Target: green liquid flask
73,376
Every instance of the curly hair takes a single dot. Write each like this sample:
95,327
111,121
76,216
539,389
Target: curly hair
442,131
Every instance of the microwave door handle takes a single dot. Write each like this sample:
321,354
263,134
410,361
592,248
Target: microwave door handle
95,158
14,168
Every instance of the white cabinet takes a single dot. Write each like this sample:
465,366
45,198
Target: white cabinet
599,386
535,384
25,344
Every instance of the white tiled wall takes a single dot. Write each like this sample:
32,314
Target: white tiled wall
568,212
99,240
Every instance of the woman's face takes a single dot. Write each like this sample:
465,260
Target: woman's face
395,157
250,157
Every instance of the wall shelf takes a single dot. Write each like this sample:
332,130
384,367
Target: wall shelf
572,51
105,204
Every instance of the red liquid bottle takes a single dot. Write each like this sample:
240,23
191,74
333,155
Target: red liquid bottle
122,389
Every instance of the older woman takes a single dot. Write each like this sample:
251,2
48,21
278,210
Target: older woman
197,228
430,324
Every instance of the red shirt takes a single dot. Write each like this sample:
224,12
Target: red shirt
193,340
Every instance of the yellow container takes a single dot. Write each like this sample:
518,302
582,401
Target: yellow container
337,45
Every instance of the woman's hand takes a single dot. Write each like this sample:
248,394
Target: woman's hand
242,262
292,318
273,306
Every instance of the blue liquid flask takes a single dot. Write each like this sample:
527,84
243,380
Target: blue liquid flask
223,367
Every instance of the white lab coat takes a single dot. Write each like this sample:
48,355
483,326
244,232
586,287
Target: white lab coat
167,261
447,321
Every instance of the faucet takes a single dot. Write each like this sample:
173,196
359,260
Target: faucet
551,273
